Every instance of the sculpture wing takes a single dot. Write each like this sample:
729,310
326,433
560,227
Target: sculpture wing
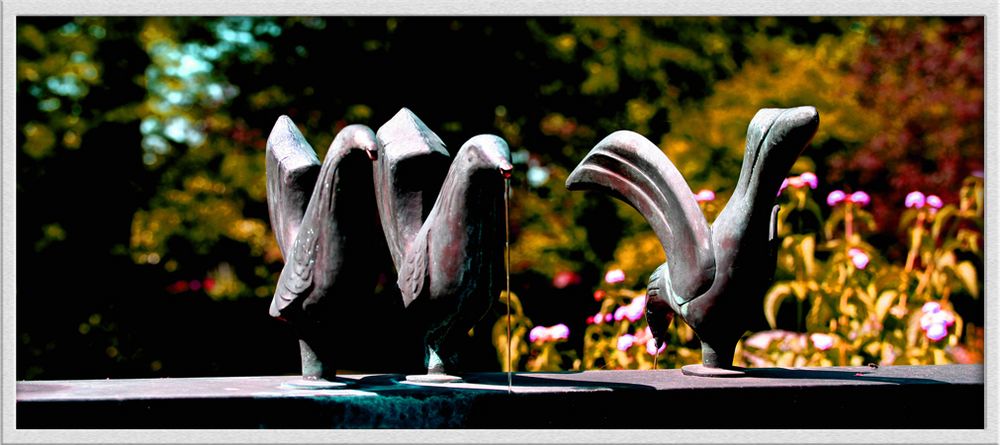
292,167
412,163
413,272
630,167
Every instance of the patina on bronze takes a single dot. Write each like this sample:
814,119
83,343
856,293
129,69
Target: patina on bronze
326,241
713,275
449,256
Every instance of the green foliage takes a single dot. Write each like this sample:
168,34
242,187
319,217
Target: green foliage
149,132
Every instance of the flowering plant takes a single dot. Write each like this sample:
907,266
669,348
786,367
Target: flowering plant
861,309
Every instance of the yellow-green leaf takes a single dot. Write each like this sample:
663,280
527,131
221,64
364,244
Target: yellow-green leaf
773,300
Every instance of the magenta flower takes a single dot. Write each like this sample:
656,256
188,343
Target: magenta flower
810,179
835,197
796,182
860,198
608,317
614,276
705,196
934,201
858,257
784,185
625,342
915,199
822,341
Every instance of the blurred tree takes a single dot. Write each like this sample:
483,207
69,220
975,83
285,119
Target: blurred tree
921,83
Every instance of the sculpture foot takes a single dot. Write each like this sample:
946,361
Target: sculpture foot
314,367
307,383
435,371
433,378
706,371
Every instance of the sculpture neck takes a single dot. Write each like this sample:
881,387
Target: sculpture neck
471,198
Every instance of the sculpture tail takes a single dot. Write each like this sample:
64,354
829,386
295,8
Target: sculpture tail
633,169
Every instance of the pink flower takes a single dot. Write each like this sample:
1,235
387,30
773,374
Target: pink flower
784,185
934,201
597,318
860,198
625,342
614,276
632,311
810,179
859,258
931,307
608,317
651,347
542,334
620,313
796,182
822,341
559,332
935,321
642,336
705,196
539,334
565,278
915,199
937,332
943,318
835,197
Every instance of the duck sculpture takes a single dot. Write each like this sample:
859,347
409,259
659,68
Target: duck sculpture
448,255
327,241
713,274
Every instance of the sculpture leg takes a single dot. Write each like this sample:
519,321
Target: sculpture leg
436,372
318,369
717,355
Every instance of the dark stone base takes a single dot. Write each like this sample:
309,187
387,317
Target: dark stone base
888,397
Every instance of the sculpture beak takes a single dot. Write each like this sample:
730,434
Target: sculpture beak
658,317
506,169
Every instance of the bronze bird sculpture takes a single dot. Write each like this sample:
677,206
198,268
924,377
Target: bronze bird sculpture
326,241
713,275
449,259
